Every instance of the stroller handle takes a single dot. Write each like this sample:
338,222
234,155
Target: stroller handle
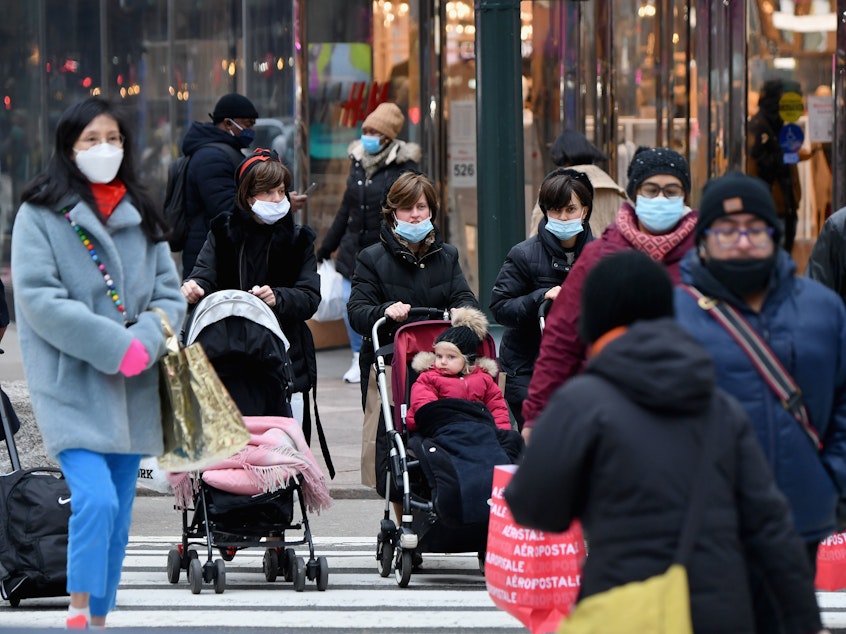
419,311
543,311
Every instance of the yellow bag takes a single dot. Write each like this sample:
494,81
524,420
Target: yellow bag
658,605
201,423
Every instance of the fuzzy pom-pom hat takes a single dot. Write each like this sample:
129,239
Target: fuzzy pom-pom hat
469,328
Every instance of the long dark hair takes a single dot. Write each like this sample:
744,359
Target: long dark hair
62,177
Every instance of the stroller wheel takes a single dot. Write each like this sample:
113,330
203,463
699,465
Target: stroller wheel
403,569
322,573
289,564
482,562
385,557
174,565
300,574
270,564
193,554
195,576
219,576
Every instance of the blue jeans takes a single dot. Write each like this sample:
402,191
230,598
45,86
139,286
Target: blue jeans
102,490
355,338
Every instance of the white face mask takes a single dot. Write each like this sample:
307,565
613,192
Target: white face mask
270,212
100,164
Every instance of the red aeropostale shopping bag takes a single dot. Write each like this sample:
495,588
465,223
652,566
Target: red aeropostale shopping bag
831,563
532,575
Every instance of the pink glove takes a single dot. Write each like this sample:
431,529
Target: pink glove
135,360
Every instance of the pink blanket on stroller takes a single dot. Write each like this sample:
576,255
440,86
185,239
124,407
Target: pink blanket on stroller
277,451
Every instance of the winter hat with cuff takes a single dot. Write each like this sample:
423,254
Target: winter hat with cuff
469,328
386,119
737,193
233,106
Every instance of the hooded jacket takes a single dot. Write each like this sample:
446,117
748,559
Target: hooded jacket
618,448
359,217
388,272
804,325
72,336
530,269
210,183
563,353
478,385
241,253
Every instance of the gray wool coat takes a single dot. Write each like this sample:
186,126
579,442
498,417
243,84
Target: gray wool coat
72,336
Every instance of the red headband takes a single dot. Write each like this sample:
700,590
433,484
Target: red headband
259,155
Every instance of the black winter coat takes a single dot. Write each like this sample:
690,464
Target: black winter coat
388,272
530,269
241,253
359,217
827,263
618,448
210,184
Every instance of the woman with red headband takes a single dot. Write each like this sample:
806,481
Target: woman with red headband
257,248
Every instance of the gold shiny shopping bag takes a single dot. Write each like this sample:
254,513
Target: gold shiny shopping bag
200,421
658,605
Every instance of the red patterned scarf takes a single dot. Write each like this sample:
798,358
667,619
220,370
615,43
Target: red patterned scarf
655,246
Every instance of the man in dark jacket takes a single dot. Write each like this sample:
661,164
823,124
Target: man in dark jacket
827,263
211,172
619,447
737,262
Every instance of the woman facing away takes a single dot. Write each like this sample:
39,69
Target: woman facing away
89,261
376,160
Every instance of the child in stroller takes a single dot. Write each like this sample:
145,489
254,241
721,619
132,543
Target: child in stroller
454,370
248,499
445,478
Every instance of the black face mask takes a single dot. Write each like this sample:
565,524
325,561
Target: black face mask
742,276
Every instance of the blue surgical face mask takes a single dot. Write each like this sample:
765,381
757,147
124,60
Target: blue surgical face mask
371,143
246,137
659,214
413,232
564,229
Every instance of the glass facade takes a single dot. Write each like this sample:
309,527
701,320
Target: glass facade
683,73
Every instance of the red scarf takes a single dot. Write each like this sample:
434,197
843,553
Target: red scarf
655,246
108,195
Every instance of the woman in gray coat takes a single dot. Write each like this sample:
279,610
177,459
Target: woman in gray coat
89,261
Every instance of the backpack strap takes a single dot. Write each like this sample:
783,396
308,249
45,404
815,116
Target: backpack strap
762,357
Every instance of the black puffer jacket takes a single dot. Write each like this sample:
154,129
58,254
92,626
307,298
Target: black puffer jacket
210,184
357,221
388,272
241,253
618,447
827,263
530,269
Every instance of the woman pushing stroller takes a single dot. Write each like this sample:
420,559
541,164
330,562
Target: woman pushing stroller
256,247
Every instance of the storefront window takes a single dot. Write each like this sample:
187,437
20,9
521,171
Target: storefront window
790,52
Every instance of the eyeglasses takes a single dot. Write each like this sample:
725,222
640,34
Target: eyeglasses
651,190
728,237
112,139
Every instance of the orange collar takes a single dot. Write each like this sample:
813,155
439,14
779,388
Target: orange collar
108,195
604,340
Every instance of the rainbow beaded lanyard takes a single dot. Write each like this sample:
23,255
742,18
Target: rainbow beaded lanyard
110,285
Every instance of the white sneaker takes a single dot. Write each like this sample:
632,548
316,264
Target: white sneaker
353,375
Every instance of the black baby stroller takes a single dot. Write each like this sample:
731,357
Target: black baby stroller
444,479
243,340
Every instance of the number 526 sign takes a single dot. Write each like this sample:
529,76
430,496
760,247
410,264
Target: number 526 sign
462,165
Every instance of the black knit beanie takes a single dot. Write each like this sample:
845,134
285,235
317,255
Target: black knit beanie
737,193
233,106
648,161
463,338
621,289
